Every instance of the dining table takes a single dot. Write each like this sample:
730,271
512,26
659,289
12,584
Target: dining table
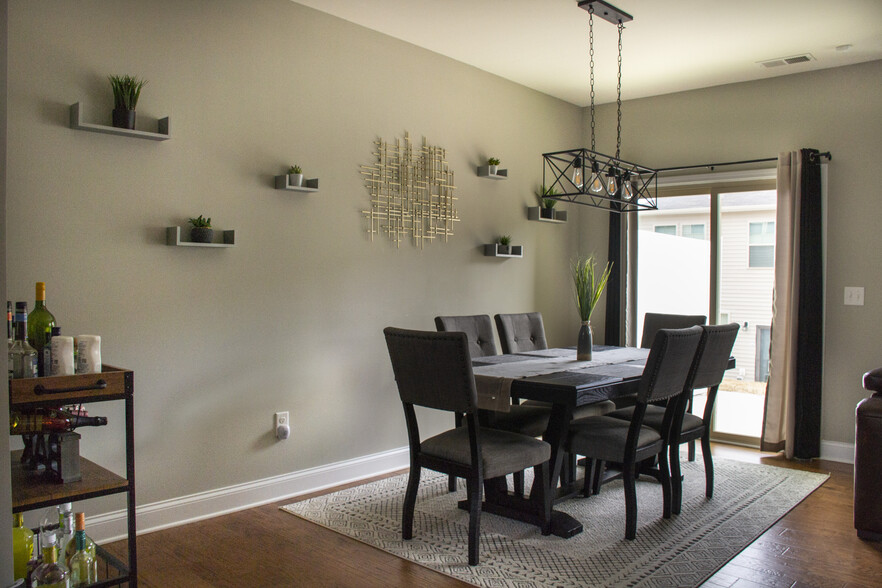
556,377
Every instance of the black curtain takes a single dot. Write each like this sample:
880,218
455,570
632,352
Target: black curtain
809,336
614,308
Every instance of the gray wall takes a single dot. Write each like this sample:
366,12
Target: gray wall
835,110
5,498
291,317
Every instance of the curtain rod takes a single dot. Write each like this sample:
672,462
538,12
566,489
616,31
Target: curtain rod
746,161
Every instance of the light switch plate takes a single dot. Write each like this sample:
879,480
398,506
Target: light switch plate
854,295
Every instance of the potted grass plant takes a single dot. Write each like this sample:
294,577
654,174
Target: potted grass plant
295,176
126,91
546,204
493,165
588,288
201,231
504,247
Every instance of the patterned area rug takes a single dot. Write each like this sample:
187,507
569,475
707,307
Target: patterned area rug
681,551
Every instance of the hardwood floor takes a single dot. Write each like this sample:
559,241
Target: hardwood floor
814,545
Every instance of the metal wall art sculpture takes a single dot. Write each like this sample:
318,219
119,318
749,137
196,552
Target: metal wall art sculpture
411,192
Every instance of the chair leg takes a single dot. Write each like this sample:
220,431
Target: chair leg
664,475
473,488
630,478
451,479
590,466
598,475
708,463
691,446
518,482
676,480
413,484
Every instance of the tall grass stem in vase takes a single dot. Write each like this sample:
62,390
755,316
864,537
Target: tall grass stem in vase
588,288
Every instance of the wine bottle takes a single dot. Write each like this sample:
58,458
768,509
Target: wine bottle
22,546
22,357
47,352
80,556
9,329
50,573
49,420
40,323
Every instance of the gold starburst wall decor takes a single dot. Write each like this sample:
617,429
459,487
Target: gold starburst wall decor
411,192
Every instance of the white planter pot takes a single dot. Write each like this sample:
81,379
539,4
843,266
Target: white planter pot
295,180
493,169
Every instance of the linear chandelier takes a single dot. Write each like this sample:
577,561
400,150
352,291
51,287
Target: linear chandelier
588,177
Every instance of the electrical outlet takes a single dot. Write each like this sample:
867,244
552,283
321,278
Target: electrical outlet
282,426
854,295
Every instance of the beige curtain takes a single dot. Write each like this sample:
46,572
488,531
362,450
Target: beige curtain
780,413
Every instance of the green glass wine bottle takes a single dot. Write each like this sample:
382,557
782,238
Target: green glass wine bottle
40,323
82,564
22,546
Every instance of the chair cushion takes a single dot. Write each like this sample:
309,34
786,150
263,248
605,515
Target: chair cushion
502,452
655,416
525,419
585,410
604,437
531,417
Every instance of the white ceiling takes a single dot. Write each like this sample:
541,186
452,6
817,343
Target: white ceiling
670,46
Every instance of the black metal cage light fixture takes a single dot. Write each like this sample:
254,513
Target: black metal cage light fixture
585,176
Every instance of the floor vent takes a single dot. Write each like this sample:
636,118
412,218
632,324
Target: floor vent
788,60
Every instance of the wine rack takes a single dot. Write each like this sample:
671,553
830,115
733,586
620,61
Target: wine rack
31,491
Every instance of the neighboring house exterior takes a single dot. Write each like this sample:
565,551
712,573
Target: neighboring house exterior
747,244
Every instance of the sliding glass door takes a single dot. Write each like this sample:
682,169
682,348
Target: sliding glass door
710,250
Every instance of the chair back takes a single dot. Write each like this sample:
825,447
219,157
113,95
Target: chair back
521,332
478,329
432,369
712,357
653,321
669,364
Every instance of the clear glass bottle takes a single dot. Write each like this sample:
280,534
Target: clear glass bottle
65,529
50,573
22,546
40,323
82,564
22,357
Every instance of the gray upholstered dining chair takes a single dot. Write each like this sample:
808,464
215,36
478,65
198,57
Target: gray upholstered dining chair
653,321
607,439
526,332
479,332
521,332
434,370
708,368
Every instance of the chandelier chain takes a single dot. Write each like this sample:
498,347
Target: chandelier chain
619,95
591,67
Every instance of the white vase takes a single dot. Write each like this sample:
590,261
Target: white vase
492,169
295,180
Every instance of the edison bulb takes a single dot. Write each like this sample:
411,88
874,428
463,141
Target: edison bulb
595,186
611,184
577,173
627,187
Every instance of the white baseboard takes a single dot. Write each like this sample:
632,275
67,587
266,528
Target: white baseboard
837,451
187,509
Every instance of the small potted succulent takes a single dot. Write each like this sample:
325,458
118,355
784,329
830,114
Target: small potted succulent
201,231
546,204
493,165
295,176
126,91
504,247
